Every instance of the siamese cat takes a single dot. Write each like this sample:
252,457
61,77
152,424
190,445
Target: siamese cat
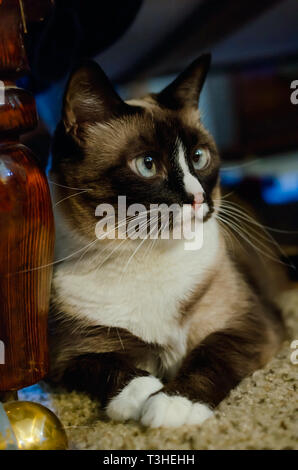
159,334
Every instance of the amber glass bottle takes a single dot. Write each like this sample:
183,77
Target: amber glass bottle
26,221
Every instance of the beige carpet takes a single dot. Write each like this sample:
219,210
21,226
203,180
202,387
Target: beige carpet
261,413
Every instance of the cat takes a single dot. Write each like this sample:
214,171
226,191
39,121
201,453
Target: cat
164,340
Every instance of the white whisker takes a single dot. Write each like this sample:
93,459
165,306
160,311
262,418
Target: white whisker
136,250
238,229
71,195
69,187
237,213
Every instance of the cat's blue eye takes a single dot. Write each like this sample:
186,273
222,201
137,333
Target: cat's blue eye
201,158
145,166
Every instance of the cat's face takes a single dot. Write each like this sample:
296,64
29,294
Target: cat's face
153,150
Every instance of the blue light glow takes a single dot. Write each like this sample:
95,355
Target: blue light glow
231,177
282,190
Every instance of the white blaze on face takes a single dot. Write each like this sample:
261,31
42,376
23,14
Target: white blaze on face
191,184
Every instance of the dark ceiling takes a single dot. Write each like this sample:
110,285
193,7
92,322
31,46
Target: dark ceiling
168,34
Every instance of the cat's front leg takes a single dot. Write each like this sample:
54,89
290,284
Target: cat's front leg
122,388
206,376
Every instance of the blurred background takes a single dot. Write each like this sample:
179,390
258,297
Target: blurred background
246,102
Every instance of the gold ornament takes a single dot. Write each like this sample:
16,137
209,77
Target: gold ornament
34,427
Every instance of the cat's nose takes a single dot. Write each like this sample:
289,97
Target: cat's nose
198,200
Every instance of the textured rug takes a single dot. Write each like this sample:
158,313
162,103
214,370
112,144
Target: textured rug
261,413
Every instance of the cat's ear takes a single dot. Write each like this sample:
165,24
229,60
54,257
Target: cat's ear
89,98
185,90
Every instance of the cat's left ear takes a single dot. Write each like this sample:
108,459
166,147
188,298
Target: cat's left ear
185,90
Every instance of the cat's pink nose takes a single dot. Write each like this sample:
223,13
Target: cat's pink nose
198,200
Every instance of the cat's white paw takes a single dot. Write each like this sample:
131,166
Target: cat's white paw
163,410
129,402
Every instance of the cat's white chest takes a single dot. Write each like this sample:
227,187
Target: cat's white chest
144,299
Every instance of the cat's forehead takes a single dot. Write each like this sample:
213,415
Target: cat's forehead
150,127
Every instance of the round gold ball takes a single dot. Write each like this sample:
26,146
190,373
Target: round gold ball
35,426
